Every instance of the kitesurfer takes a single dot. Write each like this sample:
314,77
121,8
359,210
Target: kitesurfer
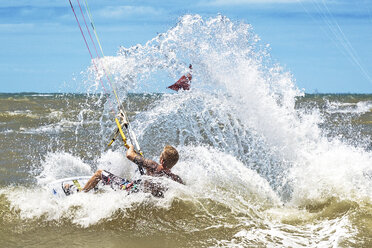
168,158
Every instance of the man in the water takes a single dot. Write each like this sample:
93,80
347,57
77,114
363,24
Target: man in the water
168,158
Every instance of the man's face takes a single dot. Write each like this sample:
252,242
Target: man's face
161,157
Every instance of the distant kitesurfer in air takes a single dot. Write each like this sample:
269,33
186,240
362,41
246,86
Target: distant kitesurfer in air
168,158
184,82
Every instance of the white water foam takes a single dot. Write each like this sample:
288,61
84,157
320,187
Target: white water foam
204,173
328,233
345,108
62,125
60,165
21,113
42,95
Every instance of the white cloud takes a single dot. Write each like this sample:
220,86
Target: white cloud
244,2
129,11
15,27
34,3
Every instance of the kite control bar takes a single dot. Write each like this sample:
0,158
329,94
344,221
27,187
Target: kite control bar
118,131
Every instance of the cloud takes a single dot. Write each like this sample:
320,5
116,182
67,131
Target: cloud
31,14
16,27
245,2
33,3
119,12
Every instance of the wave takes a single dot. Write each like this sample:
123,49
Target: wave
63,125
354,108
19,113
43,95
221,195
202,181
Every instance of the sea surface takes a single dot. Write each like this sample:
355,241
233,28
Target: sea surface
232,196
264,164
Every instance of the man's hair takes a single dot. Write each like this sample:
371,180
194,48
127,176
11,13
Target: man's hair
170,156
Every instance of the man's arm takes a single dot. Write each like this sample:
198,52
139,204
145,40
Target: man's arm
131,153
148,164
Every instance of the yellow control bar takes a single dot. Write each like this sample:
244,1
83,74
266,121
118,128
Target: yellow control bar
121,133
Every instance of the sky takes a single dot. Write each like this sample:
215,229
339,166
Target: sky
325,44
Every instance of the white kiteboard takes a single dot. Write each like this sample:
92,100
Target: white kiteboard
66,186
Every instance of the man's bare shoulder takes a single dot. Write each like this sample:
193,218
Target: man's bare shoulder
148,164
174,177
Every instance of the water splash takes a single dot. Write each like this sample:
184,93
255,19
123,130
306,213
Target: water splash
241,103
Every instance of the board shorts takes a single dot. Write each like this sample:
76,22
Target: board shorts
118,183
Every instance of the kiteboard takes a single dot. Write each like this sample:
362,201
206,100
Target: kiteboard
66,186
71,185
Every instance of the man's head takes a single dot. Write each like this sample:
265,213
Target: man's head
169,156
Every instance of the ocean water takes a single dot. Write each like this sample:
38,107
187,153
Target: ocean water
265,165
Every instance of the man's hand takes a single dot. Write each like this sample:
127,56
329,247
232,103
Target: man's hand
131,153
